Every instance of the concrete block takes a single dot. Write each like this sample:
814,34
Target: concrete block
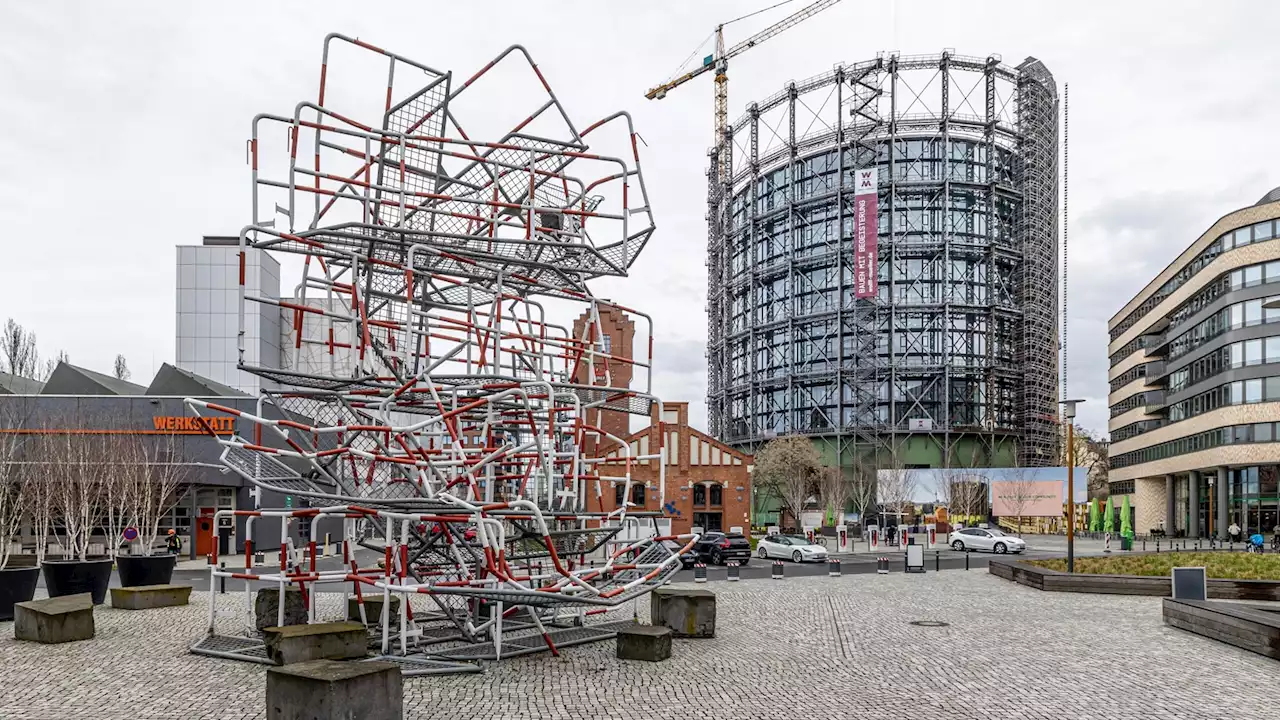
329,690
690,613
644,642
372,607
55,620
320,641
145,597
266,607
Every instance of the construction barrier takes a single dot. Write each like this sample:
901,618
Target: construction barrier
882,566
777,570
699,572
833,568
734,571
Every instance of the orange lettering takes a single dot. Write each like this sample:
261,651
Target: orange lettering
158,422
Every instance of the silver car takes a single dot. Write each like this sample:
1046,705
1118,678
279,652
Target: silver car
980,539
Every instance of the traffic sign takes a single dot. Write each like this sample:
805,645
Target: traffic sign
130,534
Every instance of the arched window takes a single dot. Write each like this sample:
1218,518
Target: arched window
637,495
717,495
618,489
699,495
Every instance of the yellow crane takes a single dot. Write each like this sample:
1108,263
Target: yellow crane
719,61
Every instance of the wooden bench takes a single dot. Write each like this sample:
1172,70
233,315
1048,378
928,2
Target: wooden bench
145,597
1251,627
55,620
318,641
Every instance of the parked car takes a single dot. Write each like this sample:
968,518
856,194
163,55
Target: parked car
981,539
719,548
796,548
687,558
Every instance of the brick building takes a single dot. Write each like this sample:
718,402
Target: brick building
708,483
612,338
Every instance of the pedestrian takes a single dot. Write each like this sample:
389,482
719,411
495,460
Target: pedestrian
173,543
1234,531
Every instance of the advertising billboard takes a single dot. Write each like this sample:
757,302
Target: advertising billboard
1027,498
866,239
927,485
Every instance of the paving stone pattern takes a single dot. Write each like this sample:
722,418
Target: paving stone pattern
808,647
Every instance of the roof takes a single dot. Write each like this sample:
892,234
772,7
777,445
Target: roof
68,379
1270,197
18,385
171,380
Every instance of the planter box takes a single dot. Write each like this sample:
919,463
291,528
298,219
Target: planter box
72,577
1155,586
139,570
16,585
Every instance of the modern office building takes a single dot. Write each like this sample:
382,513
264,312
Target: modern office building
208,307
1195,383
883,268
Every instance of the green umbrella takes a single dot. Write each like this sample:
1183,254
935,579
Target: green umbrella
1095,520
1109,518
1126,525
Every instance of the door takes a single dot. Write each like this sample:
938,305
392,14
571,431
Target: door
978,539
708,521
204,532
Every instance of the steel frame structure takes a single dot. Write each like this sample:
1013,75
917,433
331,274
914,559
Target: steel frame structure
435,258
964,331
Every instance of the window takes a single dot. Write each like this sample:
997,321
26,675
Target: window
699,494
1262,432
1253,352
1272,389
1253,312
1253,275
1253,390
717,495
637,494
606,344
618,489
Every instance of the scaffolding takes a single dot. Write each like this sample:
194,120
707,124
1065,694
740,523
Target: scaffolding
961,342
449,440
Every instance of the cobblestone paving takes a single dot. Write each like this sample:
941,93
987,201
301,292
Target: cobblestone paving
808,647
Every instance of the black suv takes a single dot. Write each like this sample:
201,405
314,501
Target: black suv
718,548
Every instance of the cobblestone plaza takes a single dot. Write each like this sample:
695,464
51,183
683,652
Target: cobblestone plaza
812,647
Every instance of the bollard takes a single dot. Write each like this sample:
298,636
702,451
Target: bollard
882,566
777,570
699,572
833,568
1144,544
732,567
937,560
222,581
1157,544
966,559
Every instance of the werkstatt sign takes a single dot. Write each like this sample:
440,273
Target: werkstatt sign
182,425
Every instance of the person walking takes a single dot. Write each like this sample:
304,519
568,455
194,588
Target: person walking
1234,532
173,543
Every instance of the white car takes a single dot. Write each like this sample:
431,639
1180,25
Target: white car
979,539
796,548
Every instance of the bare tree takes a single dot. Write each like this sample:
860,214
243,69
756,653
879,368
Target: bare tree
119,454
967,496
18,346
862,489
13,508
1019,491
158,484
78,491
40,486
121,369
789,467
895,487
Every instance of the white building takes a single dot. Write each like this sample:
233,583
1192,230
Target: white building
208,280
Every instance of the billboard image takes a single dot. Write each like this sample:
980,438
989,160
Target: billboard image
1034,489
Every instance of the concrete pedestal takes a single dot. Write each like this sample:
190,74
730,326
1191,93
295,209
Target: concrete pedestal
372,608
55,620
689,613
644,642
145,597
266,607
328,690
322,641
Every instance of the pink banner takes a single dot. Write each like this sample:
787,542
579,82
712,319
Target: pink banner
866,235
1027,498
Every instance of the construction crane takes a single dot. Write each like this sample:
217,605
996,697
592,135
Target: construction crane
719,61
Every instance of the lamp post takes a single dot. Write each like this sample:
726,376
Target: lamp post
1069,414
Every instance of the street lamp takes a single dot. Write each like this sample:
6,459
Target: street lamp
1069,414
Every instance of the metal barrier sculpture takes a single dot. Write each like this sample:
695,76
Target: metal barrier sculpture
430,405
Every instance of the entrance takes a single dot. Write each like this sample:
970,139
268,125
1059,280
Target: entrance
204,532
708,521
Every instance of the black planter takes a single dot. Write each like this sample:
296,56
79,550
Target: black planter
16,585
72,577
138,570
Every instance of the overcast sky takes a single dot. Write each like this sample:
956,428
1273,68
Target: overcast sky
124,124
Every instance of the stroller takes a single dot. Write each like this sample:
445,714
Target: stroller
1255,544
